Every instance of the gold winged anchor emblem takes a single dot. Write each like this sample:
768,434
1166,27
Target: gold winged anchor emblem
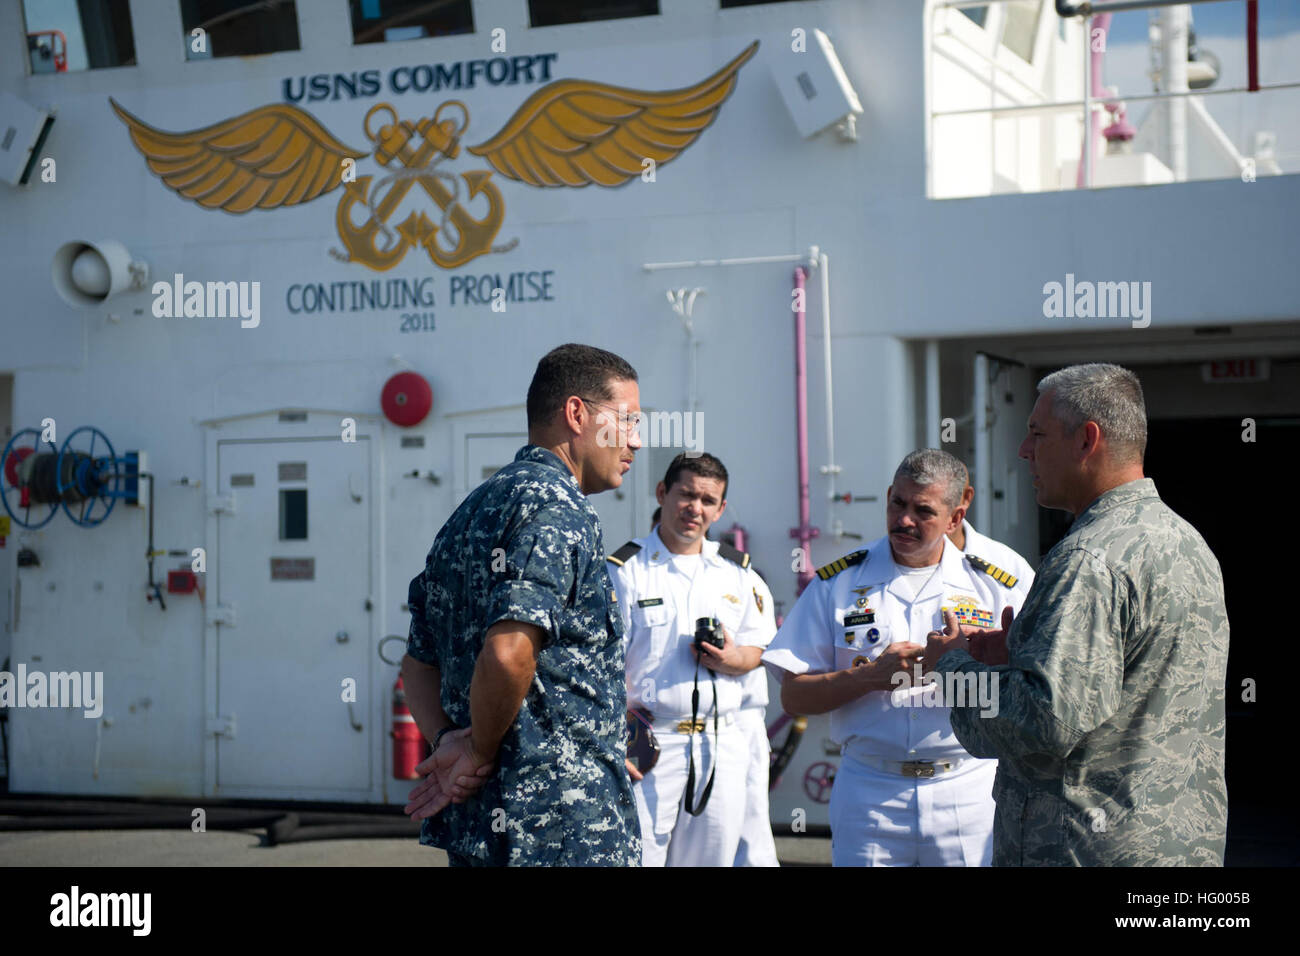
568,133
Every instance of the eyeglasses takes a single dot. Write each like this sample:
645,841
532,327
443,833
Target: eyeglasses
626,422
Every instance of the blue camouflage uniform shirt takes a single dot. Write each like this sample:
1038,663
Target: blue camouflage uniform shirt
526,546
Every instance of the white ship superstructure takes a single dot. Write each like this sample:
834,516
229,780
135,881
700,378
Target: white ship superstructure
219,261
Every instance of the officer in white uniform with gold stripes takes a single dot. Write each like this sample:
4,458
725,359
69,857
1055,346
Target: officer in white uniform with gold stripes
757,847
665,581
906,793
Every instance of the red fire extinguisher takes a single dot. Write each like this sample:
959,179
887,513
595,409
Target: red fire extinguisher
409,745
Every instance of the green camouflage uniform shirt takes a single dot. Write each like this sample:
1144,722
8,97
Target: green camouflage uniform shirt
526,546
1110,723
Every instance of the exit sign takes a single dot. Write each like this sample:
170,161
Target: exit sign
1235,370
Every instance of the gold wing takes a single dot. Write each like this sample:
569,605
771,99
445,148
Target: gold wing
575,132
276,155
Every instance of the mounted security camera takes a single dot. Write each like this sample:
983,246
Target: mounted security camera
87,274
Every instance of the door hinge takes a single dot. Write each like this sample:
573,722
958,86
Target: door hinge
222,614
222,726
221,504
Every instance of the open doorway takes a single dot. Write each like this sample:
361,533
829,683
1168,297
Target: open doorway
1215,492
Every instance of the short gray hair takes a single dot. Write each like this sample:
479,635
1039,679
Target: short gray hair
1109,395
930,466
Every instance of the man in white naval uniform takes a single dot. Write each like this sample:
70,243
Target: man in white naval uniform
665,581
757,847
906,793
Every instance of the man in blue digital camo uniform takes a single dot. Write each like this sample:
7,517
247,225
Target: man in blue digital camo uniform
1109,734
514,667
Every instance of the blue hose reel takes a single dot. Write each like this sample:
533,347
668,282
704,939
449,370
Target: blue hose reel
84,475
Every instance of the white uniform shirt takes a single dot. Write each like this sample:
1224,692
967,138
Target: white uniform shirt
994,552
860,611
754,686
660,595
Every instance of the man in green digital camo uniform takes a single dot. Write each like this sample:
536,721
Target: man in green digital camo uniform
1110,726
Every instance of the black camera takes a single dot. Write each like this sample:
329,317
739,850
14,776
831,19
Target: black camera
708,630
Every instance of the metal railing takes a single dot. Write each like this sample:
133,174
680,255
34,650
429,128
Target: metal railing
999,75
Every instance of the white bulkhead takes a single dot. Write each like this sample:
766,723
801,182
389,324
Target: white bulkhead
311,528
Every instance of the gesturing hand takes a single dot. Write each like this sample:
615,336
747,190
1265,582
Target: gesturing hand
954,637
986,645
990,646
454,772
898,657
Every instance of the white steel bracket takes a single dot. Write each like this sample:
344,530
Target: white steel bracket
222,726
222,614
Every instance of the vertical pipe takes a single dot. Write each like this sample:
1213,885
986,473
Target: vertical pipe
1087,105
932,394
832,469
983,479
1252,45
739,536
803,532
692,349
1173,64
1092,79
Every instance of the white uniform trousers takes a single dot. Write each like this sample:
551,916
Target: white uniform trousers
757,848
669,835
880,818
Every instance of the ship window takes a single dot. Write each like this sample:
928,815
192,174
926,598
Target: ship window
293,514
238,27
384,21
550,13
68,37
976,14
1021,27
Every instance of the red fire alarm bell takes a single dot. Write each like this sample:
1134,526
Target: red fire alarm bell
406,399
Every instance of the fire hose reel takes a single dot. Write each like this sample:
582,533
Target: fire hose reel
85,478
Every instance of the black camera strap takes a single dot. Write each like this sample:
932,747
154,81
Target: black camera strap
688,799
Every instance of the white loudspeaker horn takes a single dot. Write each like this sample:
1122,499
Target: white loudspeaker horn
87,274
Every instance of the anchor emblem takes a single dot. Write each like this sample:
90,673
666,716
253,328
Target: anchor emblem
412,151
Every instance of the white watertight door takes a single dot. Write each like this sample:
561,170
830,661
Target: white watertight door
295,568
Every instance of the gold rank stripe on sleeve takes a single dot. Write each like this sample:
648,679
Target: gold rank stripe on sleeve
992,570
622,554
826,572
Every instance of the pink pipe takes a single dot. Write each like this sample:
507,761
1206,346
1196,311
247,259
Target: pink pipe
1120,128
805,532
738,536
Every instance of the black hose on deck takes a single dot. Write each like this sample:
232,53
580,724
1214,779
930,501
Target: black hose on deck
282,826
